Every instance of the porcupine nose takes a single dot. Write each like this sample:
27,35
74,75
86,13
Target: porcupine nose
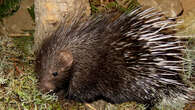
46,87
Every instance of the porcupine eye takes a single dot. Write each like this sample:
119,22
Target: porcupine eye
55,73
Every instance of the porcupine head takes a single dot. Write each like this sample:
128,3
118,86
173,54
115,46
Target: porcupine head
56,75
129,58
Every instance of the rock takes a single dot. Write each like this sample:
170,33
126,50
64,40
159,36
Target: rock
188,5
172,8
186,29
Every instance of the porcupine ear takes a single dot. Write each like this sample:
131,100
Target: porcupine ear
66,58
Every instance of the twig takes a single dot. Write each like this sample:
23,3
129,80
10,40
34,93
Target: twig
19,35
17,69
192,79
14,59
91,107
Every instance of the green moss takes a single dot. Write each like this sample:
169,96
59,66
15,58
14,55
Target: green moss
18,82
32,12
25,43
8,7
128,5
190,56
94,9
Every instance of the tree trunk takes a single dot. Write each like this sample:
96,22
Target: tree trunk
50,13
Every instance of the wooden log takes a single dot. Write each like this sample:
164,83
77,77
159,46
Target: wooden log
50,13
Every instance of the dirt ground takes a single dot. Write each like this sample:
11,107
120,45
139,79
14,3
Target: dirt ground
21,20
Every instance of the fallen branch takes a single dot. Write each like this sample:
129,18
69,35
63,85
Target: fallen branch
91,107
19,35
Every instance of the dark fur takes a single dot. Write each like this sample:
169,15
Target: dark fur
104,68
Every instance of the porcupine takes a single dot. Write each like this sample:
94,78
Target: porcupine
134,57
